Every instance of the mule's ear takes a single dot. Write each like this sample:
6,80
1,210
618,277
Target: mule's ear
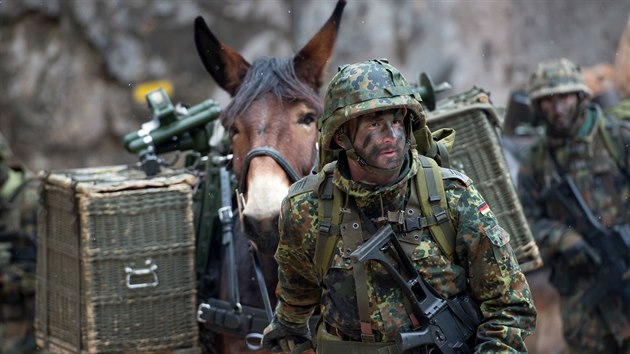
226,66
311,62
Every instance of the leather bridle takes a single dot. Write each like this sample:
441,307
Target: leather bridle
265,151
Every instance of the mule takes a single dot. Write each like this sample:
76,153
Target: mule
272,122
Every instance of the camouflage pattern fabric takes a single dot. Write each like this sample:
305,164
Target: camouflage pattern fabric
607,192
556,76
18,208
486,266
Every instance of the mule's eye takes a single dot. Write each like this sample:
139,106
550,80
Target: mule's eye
307,119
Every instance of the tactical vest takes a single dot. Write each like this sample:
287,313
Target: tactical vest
427,208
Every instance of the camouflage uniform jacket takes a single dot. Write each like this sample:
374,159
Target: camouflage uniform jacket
606,191
486,267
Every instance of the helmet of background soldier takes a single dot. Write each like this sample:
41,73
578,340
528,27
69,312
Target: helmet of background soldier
363,88
557,76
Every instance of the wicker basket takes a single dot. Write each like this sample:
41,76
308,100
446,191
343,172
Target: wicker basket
478,153
115,270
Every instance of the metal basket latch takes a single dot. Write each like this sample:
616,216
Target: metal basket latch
150,269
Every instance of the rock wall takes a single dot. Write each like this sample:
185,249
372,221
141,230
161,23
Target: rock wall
68,68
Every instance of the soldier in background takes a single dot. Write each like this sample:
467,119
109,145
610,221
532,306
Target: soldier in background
582,145
18,215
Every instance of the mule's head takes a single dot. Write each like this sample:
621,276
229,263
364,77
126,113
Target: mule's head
271,120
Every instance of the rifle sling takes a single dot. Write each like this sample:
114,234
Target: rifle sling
352,235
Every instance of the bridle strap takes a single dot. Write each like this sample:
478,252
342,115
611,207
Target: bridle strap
274,154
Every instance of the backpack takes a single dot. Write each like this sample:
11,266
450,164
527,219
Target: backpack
428,186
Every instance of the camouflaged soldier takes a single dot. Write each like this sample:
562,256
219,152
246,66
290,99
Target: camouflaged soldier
593,150
18,205
368,114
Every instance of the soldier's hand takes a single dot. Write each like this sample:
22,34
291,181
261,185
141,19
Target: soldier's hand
278,338
577,252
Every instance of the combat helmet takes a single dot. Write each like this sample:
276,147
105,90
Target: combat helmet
363,88
557,76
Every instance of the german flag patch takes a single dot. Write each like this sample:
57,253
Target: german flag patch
484,209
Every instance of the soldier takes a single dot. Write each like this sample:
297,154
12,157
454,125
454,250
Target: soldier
574,186
369,110
18,208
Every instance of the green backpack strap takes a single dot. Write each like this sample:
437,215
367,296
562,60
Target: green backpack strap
612,140
431,197
329,219
434,205
610,128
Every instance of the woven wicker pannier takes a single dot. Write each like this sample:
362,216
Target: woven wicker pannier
478,153
115,262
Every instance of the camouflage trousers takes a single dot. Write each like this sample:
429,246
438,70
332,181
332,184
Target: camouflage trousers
586,331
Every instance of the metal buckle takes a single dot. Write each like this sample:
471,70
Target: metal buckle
225,214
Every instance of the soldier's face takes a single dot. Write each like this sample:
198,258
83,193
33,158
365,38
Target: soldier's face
560,111
379,137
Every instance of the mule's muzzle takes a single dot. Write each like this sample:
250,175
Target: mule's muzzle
263,232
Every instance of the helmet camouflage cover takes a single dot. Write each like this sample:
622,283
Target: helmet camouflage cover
363,88
556,76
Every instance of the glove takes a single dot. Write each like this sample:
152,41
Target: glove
280,338
577,252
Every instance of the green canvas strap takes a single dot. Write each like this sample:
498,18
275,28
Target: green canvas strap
434,205
428,187
352,236
329,219
614,145
610,145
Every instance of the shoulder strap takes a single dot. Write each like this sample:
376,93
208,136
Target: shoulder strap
434,205
329,199
610,131
537,155
303,185
612,140
431,198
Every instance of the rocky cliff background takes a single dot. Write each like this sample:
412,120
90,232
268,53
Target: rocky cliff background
69,68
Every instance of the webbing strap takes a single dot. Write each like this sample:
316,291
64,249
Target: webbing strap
615,145
443,154
352,236
434,205
608,141
329,220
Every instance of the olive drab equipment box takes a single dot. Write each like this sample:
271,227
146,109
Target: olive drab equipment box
478,154
115,262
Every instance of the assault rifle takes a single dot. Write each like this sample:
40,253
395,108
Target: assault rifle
450,325
613,248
